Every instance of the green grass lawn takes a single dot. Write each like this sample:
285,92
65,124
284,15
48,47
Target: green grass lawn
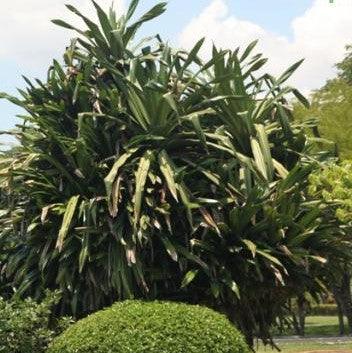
319,326
294,347
322,326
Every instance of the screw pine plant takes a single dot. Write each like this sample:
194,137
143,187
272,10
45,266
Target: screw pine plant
143,171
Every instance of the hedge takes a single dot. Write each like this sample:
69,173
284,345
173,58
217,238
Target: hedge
324,310
151,327
26,326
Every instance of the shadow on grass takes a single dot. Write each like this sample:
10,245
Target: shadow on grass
316,326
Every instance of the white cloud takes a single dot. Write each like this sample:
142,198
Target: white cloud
319,36
29,38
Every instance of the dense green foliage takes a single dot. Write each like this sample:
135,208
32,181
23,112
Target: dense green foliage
26,326
149,327
332,107
149,173
334,185
345,66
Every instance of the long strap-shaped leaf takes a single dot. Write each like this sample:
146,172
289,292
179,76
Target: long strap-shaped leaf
66,222
259,157
156,11
168,170
141,177
265,148
112,176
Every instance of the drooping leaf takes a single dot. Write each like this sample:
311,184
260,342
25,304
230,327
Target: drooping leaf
288,73
171,250
248,50
110,179
67,220
168,171
251,246
189,277
141,177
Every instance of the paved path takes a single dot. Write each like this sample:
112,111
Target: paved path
334,351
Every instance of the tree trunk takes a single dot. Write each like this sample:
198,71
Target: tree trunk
302,312
295,324
340,315
343,297
346,299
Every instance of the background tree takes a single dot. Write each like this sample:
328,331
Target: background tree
345,66
145,172
334,185
331,106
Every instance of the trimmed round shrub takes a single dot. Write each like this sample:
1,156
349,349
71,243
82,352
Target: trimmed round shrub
151,327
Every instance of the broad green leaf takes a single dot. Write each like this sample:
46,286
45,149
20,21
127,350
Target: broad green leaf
310,218
234,287
251,246
281,170
213,61
83,255
215,289
63,24
116,42
259,158
111,178
285,122
198,128
248,50
255,67
270,257
141,177
192,257
171,250
168,171
301,98
169,97
67,220
156,11
288,73
132,8
320,259
94,30
189,277
265,149
138,109
209,220
192,55
103,19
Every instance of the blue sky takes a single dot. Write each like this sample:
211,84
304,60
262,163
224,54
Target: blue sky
288,30
274,15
